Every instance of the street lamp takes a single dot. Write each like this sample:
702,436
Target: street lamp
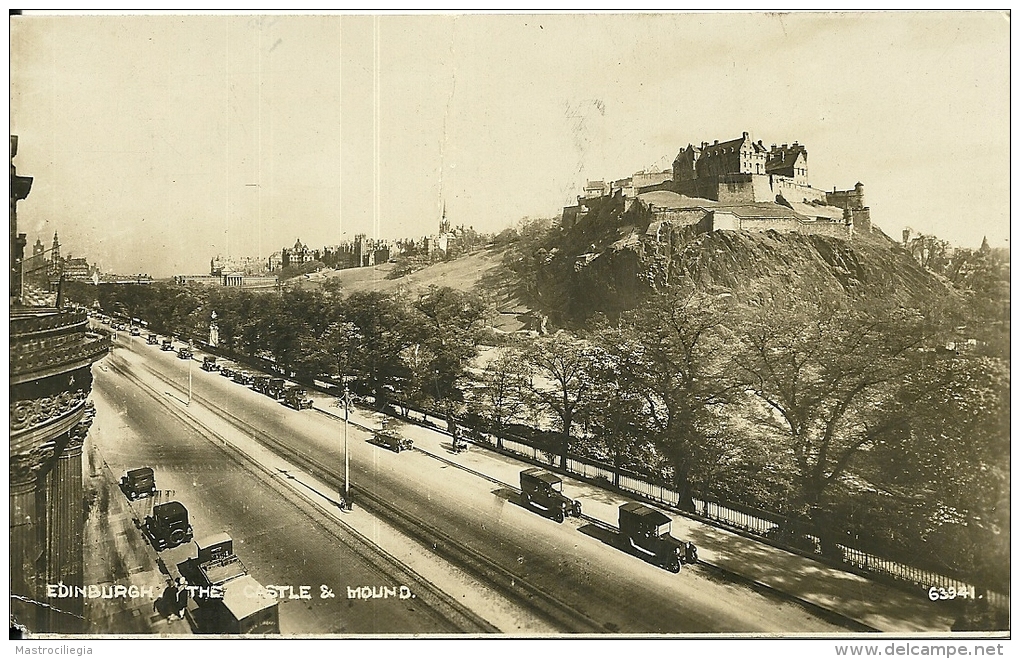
346,399
189,373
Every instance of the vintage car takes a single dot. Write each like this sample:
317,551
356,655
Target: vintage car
276,388
393,441
136,331
241,605
543,491
168,344
184,353
647,531
226,372
152,339
138,483
243,377
209,363
167,526
297,398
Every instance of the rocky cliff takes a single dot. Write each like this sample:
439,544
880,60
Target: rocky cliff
610,260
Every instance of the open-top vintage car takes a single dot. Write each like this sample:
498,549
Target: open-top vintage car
648,532
543,491
138,483
168,526
168,344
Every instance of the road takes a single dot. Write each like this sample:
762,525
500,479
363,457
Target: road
568,578
280,537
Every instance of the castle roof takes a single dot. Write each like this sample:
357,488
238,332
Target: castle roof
817,212
784,156
671,200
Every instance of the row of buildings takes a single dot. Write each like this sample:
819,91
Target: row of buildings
739,184
45,267
362,252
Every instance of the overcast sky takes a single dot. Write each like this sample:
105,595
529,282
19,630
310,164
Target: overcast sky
157,142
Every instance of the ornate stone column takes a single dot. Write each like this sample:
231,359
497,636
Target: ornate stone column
28,533
65,532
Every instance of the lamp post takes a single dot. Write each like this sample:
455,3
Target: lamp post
189,372
347,456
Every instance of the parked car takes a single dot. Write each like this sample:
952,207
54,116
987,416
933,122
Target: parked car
297,398
209,363
648,532
138,483
543,491
168,526
393,441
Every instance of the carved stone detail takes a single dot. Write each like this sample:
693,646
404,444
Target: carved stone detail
26,414
25,467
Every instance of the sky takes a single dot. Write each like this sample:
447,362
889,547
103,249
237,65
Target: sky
158,142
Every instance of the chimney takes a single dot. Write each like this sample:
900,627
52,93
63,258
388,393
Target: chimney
773,147
745,134
715,143
784,146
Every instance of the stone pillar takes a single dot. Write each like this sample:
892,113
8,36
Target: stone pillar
65,533
28,536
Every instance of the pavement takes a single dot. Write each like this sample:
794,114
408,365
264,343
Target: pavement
863,603
116,554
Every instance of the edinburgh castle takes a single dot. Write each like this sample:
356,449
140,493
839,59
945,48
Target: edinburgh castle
737,185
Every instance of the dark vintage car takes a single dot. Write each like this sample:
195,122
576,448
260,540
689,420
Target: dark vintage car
226,372
168,526
138,483
543,491
275,388
168,344
243,377
184,353
136,331
393,441
152,339
647,532
297,398
209,363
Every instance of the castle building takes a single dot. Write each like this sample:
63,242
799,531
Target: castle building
737,184
51,357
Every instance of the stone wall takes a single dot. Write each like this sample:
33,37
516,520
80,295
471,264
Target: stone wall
744,189
792,191
726,221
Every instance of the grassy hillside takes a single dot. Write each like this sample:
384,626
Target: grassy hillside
474,272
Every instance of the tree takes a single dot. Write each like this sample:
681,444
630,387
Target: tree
561,366
505,387
382,332
445,323
615,410
674,348
950,467
830,375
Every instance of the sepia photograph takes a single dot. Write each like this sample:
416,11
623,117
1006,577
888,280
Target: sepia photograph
469,326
